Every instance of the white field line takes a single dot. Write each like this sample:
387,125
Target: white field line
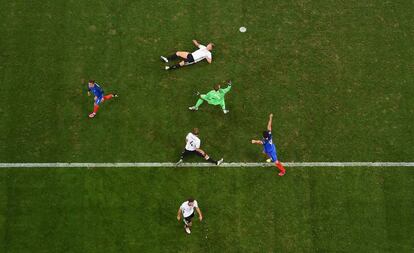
227,165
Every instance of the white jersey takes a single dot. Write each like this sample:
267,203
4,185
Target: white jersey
193,142
188,210
201,54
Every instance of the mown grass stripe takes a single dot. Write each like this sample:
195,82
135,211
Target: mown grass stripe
227,165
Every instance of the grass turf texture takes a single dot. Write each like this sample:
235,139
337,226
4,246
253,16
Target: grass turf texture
245,210
337,76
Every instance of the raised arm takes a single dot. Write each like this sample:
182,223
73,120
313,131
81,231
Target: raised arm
228,88
200,215
196,43
269,124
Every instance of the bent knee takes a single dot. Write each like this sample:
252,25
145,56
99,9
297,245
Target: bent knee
182,54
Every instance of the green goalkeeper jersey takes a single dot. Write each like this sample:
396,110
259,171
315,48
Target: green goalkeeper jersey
216,97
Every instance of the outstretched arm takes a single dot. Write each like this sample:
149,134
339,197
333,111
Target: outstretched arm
179,214
257,142
228,88
196,43
269,124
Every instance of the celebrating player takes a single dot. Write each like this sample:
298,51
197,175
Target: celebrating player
99,96
187,58
269,148
214,97
193,147
187,211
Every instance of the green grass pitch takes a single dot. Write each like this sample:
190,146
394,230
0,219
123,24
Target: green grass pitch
336,74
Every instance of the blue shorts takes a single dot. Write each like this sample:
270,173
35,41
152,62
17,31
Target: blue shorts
99,100
272,155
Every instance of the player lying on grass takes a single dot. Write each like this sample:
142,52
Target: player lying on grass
98,96
186,210
192,146
187,58
214,97
269,148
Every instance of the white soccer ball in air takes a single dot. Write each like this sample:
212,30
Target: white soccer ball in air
242,29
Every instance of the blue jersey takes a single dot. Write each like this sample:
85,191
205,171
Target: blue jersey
268,145
96,90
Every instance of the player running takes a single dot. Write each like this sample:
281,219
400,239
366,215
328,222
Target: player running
186,210
269,148
214,97
99,96
193,147
187,58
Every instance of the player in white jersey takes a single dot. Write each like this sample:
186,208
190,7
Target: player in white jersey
192,146
186,210
187,58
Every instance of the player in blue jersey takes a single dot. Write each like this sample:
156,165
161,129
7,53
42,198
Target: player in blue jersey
99,96
269,147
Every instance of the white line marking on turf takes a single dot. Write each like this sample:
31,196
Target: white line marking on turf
227,165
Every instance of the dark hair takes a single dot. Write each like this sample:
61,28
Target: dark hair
265,134
217,87
195,131
91,81
190,199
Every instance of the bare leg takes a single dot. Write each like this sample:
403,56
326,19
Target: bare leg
176,66
175,56
182,54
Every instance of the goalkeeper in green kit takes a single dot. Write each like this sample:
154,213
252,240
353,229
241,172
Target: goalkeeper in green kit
214,97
